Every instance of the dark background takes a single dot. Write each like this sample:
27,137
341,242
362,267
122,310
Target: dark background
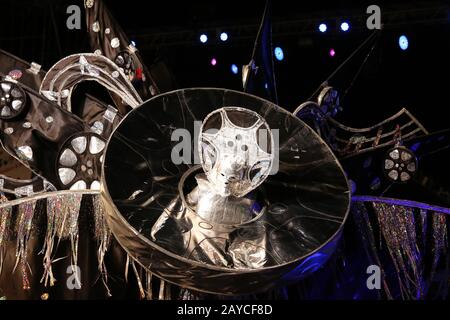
417,79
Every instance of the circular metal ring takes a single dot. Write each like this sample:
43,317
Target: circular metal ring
400,164
79,162
12,100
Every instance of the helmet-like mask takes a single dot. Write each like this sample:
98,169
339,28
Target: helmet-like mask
236,150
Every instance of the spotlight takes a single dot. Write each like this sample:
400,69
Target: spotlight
234,68
345,26
213,61
224,36
332,52
322,27
279,54
403,42
203,38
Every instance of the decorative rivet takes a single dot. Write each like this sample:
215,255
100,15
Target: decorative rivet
115,43
44,296
96,26
49,119
97,127
98,52
15,74
115,74
25,153
9,131
89,3
107,31
26,125
152,90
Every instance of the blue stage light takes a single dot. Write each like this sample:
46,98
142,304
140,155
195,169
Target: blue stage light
322,27
345,26
403,42
234,68
203,38
279,54
224,36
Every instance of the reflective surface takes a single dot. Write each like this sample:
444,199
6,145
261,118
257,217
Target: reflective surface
294,215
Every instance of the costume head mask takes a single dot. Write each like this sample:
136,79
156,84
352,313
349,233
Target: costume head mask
236,150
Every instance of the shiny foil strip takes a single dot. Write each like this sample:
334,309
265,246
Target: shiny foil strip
439,239
138,278
54,205
397,225
364,226
5,221
102,235
26,213
62,223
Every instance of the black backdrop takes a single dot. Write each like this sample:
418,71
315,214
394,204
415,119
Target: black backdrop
416,79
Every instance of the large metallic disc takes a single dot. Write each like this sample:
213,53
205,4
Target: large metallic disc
300,209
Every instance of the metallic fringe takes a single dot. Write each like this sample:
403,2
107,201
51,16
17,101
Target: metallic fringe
406,246
138,279
439,240
149,278
398,229
147,293
366,232
5,220
62,223
102,235
26,213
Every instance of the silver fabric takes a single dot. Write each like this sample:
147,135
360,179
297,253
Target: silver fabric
79,185
25,153
6,111
68,158
79,144
16,104
231,153
171,219
96,145
95,185
213,219
66,175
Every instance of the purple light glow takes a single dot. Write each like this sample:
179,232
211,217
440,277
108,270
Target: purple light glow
213,61
332,53
401,202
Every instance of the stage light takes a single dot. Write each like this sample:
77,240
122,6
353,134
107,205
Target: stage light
345,26
322,27
279,54
203,38
403,42
234,68
213,61
224,36
332,52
